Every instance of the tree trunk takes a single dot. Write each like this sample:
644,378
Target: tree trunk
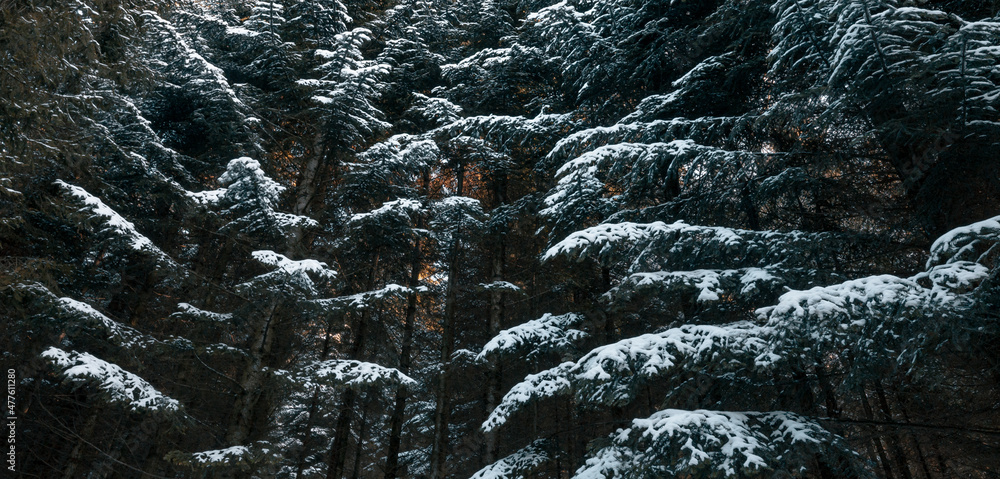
77,454
338,450
399,406
439,449
493,390
253,377
876,438
362,434
893,436
313,405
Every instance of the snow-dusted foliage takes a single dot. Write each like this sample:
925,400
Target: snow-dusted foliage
233,458
399,210
550,333
613,374
634,171
519,465
367,299
118,385
349,373
880,319
115,224
298,277
705,285
83,314
701,443
185,310
679,243
549,383
345,89
976,242
250,199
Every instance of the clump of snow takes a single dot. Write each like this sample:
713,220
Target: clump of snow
115,222
232,454
612,374
121,334
185,309
675,442
400,208
504,286
367,299
546,334
965,242
120,385
350,373
518,465
294,267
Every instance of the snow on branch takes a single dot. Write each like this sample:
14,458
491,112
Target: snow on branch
878,317
613,374
230,458
506,131
970,243
398,209
362,301
115,222
119,385
676,443
519,465
185,310
293,267
687,244
349,373
711,285
705,131
550,333
251,197
85,314
549,383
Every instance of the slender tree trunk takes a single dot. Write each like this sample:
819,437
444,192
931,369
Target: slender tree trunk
338,450
253,377
77,454
497,310
309,180
892,437
877,437
313,405
442,411
399,406
362,437
916,441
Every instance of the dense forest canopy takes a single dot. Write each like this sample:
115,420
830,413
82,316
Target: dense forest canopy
500,239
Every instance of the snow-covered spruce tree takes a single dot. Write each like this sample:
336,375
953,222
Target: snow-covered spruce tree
915,87
863,332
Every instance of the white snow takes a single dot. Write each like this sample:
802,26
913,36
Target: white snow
367,299
294,267
548,333
232,454
350,373
120,385
187,309
961,243
518,465
675,442
115,222
610,374
402,208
